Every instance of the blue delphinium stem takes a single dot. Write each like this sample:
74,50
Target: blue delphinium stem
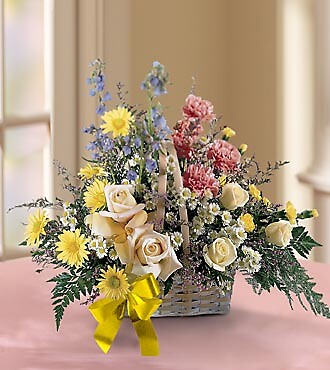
97,83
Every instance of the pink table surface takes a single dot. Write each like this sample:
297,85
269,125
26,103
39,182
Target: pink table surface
260,332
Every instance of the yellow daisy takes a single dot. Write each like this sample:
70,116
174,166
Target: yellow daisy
248,222
89,171
255,192
72,248
117,121
94,197
113,283
291,212
36,227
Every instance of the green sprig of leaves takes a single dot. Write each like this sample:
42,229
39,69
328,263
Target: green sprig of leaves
69,287
302,242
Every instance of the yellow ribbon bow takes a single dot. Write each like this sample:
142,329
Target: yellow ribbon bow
140,304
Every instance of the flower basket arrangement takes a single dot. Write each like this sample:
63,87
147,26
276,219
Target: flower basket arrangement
160,220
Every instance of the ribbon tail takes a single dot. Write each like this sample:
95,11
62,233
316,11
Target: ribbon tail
147,337
106,332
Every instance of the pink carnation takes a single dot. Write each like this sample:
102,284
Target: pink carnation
183,144
185,134
225,155
197,108
189,127
199,179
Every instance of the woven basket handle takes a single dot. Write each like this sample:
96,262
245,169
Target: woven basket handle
169,148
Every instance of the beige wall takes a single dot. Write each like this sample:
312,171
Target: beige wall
228,46
251,83
234,50
189,38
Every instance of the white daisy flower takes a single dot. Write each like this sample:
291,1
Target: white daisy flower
169,217
208,194
113,254
226,217
210,219
192,204
185,193
101,252
177,239
202,212
236,234
198,229
93,244
251,262
214,209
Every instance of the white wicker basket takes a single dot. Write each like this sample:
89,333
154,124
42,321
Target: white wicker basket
183,300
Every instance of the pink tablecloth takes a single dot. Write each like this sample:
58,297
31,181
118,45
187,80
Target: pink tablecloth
260,333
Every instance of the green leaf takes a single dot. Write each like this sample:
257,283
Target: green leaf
302,242
59,311
57,301
89,286
66,301
82,287
168,285
71,296
76,292
291,278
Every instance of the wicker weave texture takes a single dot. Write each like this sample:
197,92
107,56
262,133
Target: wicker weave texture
189,301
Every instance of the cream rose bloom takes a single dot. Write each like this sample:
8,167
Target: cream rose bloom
121,204
279,233
108,228
220,253
149,252
233,196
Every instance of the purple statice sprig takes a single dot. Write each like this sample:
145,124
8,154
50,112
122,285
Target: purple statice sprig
97,86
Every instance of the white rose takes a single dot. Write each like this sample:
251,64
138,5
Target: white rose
103,226
220,253
279,233
107,227
121,204
233,196
149,251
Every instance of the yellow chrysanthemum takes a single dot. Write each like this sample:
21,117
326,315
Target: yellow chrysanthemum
89,171
291,212
72,248
255,192
248,222
243,148
228,132
117,121
223,180
315,212
266,201
94,197
36,227
113,283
